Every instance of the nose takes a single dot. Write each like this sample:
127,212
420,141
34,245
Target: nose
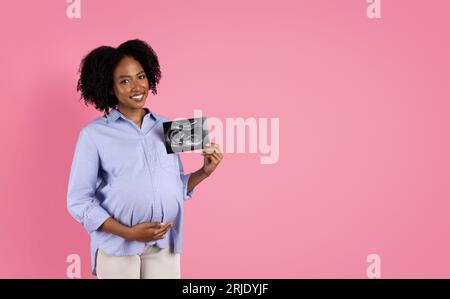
136,87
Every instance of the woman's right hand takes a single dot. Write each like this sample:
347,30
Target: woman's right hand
148,231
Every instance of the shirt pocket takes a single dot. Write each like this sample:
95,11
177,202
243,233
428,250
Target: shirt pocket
167,162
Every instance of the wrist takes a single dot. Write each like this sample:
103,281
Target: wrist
128,234
203,173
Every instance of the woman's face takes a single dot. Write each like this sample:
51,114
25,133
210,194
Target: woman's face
130,84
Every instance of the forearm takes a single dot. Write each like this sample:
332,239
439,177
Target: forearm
114,227
196,178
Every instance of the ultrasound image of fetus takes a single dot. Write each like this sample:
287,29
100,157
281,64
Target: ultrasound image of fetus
185,135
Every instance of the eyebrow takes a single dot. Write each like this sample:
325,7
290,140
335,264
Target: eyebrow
127,76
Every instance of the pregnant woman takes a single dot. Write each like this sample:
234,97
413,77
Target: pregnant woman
124,188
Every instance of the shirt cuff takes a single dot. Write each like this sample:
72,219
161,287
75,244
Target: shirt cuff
185,178
94,218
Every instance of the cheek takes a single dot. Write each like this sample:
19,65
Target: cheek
145,84
121,92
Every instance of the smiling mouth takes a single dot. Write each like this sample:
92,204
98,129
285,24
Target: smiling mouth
137,97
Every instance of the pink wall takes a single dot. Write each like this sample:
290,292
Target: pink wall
363,105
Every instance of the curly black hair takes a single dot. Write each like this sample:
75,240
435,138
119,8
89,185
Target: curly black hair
97,69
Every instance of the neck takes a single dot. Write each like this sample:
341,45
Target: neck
135,115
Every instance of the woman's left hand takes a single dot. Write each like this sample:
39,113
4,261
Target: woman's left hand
213,156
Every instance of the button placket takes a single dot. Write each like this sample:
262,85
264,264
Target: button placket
150,160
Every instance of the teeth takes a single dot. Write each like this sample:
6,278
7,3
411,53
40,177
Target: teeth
137,97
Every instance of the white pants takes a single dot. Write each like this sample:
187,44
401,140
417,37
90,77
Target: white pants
154,262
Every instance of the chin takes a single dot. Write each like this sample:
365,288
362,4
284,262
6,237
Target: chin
138,104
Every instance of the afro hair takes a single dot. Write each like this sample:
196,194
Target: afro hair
97,68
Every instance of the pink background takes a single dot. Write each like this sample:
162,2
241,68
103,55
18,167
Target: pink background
364,126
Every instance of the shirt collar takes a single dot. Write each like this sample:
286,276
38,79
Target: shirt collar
115,114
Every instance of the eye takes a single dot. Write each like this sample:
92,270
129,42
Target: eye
124,81
141,76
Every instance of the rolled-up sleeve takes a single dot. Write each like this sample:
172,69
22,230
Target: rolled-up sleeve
81,201
185,179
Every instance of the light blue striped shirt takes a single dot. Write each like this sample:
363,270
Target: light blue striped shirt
122,171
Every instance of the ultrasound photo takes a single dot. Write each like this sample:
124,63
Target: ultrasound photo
185,135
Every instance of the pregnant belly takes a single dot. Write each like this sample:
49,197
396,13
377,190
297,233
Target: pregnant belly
128,202
171,193
139,201
171,209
